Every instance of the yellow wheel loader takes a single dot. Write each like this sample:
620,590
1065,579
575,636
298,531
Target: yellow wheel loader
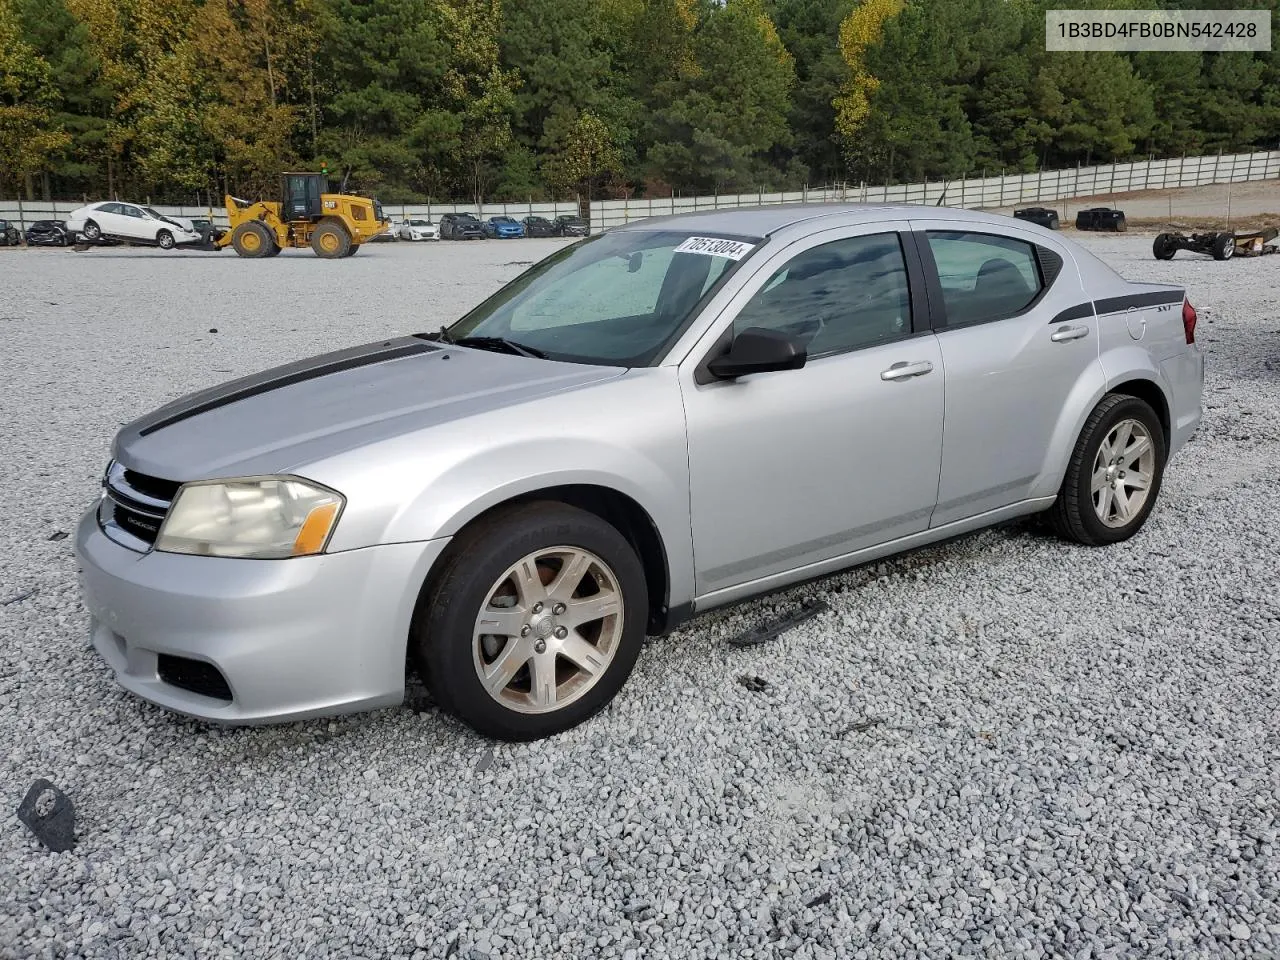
332,224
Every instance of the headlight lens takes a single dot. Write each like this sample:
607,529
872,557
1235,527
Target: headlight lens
259,517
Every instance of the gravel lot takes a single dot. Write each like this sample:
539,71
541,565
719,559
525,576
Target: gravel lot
1002,746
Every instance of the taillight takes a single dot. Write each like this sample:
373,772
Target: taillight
1189,320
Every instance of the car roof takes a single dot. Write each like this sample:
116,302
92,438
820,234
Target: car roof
764,220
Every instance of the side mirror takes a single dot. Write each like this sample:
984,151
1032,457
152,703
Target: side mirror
757,350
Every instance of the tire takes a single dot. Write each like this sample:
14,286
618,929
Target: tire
330,241
352,250
252,239
1164,247
1076,515
481,566
91,232
274,251
1120,225
1224,246
164,240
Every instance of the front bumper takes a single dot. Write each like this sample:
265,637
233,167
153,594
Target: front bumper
297,638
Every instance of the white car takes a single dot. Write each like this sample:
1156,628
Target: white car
416,228
127,221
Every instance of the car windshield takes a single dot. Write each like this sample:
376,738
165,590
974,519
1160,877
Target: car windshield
467,216
617,299
155,213
419,223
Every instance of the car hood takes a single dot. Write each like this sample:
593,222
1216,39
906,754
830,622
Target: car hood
282,419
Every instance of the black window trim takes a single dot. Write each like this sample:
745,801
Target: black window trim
938,316
917,293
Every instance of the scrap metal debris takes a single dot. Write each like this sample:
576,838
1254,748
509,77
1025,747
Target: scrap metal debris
862,726
820,900
755,684
764,632
18,597
58,535
50,815
485,761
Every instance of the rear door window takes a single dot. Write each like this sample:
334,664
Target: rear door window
984,276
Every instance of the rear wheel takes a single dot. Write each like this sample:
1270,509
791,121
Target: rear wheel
1224,246
1114,475
330,241
534,623
252,239
352,250
1121,225
1164,247
274,251
165,240
91,231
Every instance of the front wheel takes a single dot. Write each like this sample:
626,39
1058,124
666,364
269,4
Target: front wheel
1224,246
331,241
91,231
165,240
1114,475
534,623
1164,247
252,239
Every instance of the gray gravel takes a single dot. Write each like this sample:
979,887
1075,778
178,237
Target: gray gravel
1004,746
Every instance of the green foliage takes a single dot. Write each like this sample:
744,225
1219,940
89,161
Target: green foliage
716,123
519,99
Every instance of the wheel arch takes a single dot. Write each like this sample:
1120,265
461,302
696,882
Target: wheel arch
1153,394
619,510
1136,378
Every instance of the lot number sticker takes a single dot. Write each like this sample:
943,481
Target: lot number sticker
715,247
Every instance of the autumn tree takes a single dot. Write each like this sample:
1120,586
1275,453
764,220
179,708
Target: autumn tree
29,136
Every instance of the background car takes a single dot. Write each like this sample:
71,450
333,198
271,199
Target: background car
132,223
418,228
503,228
538,227
568,225
460,226
9,235
48,233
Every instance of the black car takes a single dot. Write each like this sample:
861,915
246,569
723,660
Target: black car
460,226
48,233
1041,215
567,225
9,235
538,227
1101,218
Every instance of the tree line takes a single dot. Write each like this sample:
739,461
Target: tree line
516,99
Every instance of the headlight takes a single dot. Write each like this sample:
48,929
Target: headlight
259,517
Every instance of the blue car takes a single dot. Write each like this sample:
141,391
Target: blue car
503,228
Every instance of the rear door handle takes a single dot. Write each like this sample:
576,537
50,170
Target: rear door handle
1069,333
905,371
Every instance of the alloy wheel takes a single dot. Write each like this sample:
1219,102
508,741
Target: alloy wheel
1123,471
549,629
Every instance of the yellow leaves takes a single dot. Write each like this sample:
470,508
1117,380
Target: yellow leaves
770,34
862,28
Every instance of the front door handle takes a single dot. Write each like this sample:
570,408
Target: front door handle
1069,333
905,371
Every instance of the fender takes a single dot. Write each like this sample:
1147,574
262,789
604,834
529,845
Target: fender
1114,368
473,486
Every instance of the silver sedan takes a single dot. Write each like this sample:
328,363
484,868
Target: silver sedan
669,417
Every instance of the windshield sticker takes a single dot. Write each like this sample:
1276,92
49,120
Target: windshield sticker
715,247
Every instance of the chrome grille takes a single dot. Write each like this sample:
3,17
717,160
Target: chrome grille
133,507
